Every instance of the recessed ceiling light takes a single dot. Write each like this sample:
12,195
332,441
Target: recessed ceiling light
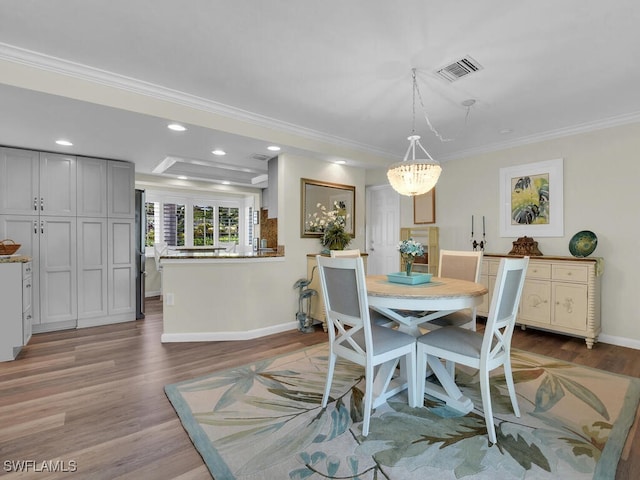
176,127
64,143
218,152
182,177
340,162
226,182
273,148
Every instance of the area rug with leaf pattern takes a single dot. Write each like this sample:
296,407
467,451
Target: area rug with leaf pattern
265,421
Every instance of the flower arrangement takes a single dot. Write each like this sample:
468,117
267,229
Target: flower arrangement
410,249
332,224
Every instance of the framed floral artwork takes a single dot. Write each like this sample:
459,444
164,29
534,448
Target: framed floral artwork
531,200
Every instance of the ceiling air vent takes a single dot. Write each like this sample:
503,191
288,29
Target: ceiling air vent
260,156
459,69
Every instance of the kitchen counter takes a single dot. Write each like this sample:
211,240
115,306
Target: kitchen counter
191,254
14,259
226,296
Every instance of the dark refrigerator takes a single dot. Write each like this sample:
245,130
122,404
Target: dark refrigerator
140,236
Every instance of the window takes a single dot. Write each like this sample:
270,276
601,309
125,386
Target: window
173,224
195,220
203,225
228,224
152,214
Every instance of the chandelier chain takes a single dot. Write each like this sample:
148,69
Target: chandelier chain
424,110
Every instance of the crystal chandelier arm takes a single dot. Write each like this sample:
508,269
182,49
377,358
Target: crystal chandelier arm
415,139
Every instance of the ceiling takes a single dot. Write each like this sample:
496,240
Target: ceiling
328,79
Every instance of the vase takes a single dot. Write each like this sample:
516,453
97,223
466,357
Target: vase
408,264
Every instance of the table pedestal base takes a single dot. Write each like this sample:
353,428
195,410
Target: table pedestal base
449,391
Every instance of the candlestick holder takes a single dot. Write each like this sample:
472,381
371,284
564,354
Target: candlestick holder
481,244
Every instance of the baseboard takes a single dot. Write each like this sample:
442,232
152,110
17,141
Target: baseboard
602,338
620,341
106,320
227,336
152,294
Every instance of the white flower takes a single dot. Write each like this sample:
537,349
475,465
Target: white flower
411,247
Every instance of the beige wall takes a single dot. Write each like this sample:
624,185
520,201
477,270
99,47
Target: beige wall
601,175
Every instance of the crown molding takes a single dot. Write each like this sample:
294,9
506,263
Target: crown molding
582,128
94,75
60,66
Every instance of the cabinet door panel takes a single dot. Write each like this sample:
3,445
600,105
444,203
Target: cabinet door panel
121,198
19,174
121,266
483,308
570,305
92,267
92,187
57,184
535,304
58,274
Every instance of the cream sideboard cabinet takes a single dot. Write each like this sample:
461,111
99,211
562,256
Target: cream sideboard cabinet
561,294
317,301
15,298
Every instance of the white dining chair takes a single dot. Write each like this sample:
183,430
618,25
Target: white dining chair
463,265
353,253
353,337
484,352
376,317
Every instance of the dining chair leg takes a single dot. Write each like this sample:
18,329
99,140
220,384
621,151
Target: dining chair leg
368,399
451,368
414,400
421,368
486,405
511,387
327,387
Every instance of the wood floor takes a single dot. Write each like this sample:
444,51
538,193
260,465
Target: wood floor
93,398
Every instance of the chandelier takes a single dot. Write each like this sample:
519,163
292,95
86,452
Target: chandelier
414,176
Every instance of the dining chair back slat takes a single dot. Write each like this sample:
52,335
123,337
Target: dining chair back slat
462,265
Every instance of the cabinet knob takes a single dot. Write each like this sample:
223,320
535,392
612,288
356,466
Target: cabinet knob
35,203
41,203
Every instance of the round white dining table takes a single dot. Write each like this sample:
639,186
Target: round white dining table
412,305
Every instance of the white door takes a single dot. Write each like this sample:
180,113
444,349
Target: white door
383,229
